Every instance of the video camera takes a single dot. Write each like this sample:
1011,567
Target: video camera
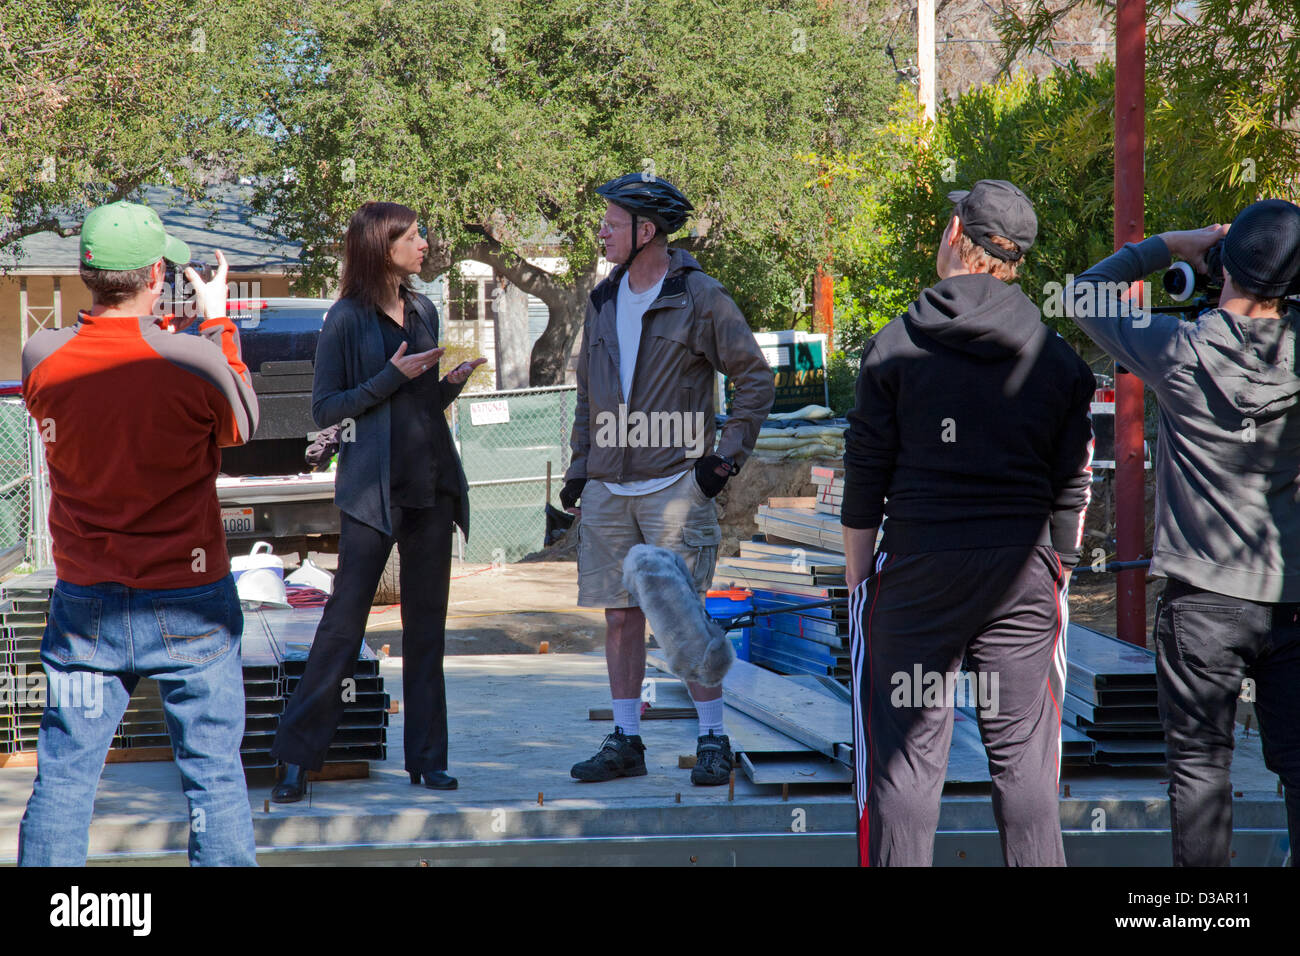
179,299
1181,282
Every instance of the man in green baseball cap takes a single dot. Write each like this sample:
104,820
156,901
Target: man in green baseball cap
123,248
139,551
125,235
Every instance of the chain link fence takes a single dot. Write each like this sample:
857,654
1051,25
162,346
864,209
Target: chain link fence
17,516
512,444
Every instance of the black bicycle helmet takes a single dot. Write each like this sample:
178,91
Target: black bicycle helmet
649,197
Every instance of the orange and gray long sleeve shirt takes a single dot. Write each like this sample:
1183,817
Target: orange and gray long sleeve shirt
133,419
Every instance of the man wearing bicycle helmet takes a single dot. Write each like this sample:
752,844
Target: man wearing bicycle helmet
644,464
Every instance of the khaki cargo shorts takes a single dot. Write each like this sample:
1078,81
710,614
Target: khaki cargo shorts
679,518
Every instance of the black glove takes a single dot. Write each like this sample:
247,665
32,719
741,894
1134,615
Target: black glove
572,491
707,475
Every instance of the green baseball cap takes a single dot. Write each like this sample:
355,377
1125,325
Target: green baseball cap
126,235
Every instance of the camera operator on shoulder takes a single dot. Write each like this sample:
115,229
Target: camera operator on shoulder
1227,533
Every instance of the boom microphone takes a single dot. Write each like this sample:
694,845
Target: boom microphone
696,648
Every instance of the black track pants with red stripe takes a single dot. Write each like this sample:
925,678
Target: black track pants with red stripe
911,624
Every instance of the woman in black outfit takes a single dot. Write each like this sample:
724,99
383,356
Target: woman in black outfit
399,481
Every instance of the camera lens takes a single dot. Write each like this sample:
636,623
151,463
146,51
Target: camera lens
1179,281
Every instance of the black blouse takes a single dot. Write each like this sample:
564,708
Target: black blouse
416,447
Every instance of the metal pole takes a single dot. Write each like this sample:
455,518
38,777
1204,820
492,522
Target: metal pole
824,303
1130,131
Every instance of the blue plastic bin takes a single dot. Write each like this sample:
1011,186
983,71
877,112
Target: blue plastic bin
722,606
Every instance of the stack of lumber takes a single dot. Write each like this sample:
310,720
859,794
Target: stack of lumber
830,489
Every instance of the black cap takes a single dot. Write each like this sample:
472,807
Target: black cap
1262,249
994,207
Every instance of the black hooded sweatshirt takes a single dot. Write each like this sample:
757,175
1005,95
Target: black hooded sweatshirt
972,427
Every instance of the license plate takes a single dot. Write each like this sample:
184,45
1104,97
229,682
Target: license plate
237,520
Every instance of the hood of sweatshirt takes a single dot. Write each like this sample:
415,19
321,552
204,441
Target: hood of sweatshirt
977,314
1251,362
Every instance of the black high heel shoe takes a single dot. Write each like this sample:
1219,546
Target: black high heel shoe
435,780
292,786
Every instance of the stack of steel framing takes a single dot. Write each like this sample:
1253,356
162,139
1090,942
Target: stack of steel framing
804,526
273,651
363,730
812,641
1110,697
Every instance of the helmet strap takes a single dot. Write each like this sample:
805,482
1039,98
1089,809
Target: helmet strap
636,250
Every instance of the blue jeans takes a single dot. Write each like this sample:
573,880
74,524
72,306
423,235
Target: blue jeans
98,643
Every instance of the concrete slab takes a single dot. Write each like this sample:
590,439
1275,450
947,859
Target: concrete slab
518,722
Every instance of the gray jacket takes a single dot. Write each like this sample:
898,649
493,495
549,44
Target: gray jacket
354,380
691,331
1228,458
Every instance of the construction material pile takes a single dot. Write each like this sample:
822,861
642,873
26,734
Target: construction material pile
810,432
1108,713
274,653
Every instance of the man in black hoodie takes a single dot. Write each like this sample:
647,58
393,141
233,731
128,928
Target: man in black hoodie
972,438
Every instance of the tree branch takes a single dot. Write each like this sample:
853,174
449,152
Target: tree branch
532,279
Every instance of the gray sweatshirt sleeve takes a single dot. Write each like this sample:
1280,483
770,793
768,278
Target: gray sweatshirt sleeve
1147,344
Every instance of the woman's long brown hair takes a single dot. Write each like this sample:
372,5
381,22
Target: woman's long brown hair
367,270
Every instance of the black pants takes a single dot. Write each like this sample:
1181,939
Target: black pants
1206,644
423,537
911,624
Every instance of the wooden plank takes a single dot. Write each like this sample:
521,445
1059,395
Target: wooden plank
651,713
342,770
791,502
27,758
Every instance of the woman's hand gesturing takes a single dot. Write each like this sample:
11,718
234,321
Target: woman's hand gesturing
464,370
417,363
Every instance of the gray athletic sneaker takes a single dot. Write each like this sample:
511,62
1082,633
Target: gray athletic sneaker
619,756
713,761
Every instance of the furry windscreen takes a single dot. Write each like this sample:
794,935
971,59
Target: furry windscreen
697,649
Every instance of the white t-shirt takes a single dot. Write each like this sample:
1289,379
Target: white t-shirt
630,311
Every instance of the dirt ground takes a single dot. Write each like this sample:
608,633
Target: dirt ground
513,609
1093,601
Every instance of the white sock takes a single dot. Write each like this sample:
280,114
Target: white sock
710,714
627,714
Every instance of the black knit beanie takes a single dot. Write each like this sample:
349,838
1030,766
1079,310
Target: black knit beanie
1262,249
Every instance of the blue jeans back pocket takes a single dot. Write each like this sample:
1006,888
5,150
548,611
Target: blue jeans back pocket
195,629
72,635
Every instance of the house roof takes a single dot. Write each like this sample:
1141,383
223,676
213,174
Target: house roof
224,220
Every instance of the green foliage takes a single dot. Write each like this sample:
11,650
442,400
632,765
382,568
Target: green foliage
1054,138
842,381
101,96
496,119
1223,97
